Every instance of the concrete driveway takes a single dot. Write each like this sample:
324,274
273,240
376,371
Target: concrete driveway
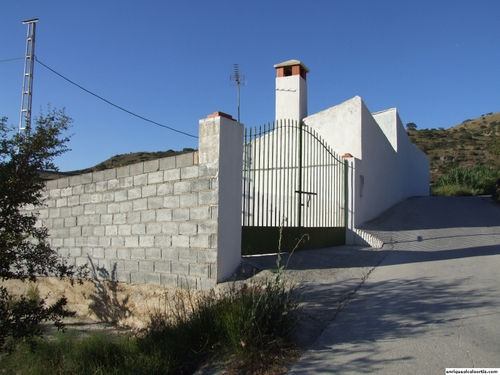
428,300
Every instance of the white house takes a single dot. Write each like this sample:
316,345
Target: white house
384,167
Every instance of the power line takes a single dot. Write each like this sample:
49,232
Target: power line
114,105
14,58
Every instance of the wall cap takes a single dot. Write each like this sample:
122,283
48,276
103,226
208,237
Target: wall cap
221,114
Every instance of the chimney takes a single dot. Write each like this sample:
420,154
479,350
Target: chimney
291,90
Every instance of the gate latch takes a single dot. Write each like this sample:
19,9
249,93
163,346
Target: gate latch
308,193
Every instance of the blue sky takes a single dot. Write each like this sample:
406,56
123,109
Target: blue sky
170,61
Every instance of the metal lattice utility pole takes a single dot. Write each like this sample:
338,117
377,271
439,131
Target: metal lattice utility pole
29,64
238,80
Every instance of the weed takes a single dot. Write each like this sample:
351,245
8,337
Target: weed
248,326
467,181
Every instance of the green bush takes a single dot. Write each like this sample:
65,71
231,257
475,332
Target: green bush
467,181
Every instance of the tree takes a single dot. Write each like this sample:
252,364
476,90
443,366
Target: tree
411,126
25,252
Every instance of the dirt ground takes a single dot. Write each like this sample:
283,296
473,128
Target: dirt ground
325,279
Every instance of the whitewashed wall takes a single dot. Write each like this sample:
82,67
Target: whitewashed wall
413,165
385,166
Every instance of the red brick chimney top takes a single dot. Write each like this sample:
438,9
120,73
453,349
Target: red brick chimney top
221,114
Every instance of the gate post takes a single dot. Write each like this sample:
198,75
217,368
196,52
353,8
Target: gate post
221,151
299,181
350,236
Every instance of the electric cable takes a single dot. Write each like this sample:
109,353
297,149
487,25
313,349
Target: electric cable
14,58
114,105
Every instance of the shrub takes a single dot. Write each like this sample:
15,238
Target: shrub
25,250
250,324
247,323
467,181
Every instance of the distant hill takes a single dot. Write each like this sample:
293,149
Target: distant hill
116,161
473,142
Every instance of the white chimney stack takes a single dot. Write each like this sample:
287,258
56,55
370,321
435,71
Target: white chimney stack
291,90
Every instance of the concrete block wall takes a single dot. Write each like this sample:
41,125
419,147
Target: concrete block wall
155,222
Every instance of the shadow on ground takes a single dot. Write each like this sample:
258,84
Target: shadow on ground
325,280
398,309
106,302
447,212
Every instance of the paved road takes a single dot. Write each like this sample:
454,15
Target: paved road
432,301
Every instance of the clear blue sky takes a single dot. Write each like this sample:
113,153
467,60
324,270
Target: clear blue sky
170,61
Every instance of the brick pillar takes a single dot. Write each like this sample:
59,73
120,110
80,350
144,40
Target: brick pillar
221,150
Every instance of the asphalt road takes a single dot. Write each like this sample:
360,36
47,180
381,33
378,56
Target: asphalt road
429,300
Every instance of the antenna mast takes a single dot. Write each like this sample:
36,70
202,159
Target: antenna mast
29,64
238,80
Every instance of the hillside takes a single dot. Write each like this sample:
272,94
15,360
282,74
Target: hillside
131,158
473,142
118,161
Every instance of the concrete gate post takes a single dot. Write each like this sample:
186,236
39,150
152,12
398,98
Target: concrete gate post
221,150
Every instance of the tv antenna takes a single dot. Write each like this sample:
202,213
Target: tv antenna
29,64
237,80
